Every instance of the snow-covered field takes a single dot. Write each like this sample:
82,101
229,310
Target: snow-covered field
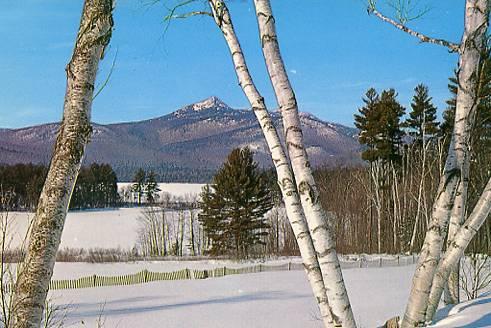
88,229
184,191
268,299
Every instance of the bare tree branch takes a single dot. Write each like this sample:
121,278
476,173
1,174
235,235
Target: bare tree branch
190,14
453,47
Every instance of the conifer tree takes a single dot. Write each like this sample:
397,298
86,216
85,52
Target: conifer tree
151,187
379,123
233,207
139,184
388,145
367,123
422,118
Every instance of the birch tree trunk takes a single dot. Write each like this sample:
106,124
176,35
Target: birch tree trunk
317,218
457,247
286,180
452,288
75,130
471,50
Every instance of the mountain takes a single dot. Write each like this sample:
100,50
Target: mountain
187,145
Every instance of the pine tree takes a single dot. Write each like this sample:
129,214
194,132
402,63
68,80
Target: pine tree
422,118
151,187
367,123
390,140
380,126
139,184
233,207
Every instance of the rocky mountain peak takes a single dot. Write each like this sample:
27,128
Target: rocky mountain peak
211,103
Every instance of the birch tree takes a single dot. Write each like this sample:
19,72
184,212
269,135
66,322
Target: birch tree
456,248
455,175
32,285
317,218
285,176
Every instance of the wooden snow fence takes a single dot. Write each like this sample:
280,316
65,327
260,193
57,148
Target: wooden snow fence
149,276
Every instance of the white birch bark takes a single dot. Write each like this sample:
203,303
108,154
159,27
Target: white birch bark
286,180
471,50
452,288
317,218
75,130
457,247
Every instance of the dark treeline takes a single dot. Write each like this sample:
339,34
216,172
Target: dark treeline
166,172
23,184
96,186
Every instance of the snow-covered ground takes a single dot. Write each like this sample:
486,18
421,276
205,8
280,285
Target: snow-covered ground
183,191
472,314
110,228
269,299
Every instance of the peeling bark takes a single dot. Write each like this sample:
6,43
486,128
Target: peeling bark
75,130
285,175
457,163
457,247
317,218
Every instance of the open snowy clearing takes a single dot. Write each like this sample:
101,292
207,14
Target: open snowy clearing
174,190
268,299
86,229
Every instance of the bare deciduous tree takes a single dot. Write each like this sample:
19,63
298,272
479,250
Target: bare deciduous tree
286,180
317,218
75,130
455,177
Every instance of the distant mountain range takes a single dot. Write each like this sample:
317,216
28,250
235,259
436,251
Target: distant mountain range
187,145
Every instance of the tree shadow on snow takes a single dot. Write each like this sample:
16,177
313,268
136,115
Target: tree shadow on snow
132,309
482,322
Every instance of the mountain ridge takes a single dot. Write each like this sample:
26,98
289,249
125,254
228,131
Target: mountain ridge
186,145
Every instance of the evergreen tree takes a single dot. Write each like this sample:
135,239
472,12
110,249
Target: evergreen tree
380,126
390,140
367,123
151,187
233,207
138,186
422,118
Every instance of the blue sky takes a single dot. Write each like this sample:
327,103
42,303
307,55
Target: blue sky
333,50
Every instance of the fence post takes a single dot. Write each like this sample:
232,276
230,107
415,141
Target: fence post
380,262
259,267
398,262
224,271
289,266
145,275
361,261
94,277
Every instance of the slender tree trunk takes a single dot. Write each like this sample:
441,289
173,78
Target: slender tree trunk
317,218
286,180
471,50
163,234
191,232
75,130
456,249
452,288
